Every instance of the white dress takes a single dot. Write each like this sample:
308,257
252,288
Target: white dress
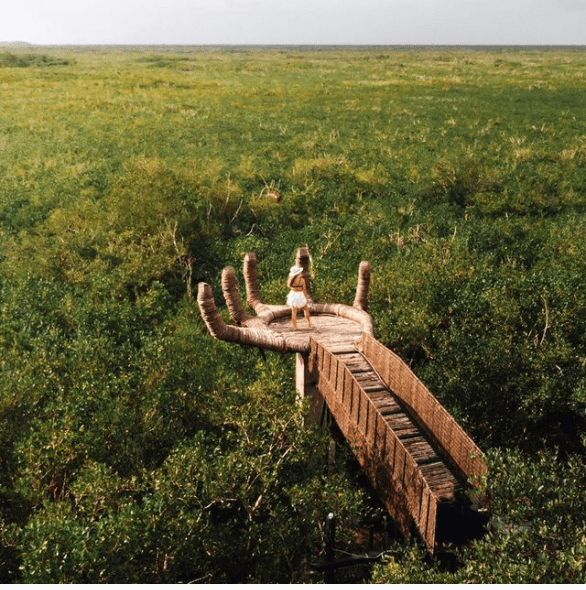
296,299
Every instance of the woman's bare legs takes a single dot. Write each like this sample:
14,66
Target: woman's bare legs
306,312
294,317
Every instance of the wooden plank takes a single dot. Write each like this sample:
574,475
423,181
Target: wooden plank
358,367
388,406
341,348
336,372
377,397
354,356
444,494
439,479
374,390
431,522
437,473
401,425
367,378
420,449
443,491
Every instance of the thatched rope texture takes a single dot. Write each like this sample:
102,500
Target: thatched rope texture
250,278
230,290
361,299
261,338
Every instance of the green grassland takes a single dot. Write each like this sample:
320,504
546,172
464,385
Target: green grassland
134,447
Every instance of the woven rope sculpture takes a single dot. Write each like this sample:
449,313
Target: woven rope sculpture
259,330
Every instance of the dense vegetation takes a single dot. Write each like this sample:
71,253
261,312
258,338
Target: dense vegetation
11,60
134,448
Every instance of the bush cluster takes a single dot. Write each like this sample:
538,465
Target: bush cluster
11,60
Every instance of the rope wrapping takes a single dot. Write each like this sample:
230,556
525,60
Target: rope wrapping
361,299
230,290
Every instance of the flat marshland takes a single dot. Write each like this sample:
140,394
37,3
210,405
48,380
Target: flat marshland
134,447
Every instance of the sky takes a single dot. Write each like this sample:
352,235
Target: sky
294,22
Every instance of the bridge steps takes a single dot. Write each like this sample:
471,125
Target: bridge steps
440,478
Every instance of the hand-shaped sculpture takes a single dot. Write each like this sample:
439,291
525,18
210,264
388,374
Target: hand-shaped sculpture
273,327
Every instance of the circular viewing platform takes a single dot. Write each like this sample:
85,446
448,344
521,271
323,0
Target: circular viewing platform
327,329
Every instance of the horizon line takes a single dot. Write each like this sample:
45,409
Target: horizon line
28,44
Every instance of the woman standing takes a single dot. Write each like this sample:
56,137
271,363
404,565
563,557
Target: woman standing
298,296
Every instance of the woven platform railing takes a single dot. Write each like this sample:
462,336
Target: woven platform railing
390,468
441,427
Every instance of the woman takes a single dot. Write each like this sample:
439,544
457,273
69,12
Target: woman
297,297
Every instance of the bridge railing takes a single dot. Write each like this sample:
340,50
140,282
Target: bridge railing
391,469
443,429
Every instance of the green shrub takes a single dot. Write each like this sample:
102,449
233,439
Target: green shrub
10,60
239,504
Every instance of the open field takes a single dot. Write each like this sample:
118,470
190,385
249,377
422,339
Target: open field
134,448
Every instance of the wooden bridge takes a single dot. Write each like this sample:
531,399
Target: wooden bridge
417,458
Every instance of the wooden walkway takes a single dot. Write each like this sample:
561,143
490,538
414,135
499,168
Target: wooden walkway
417,458
409,467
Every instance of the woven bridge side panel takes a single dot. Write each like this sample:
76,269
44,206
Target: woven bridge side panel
420,500
333,382
348,394
364,411
356,403
380,442
429,412
426,520
327,365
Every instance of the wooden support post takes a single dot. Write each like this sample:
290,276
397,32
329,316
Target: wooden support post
306,387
